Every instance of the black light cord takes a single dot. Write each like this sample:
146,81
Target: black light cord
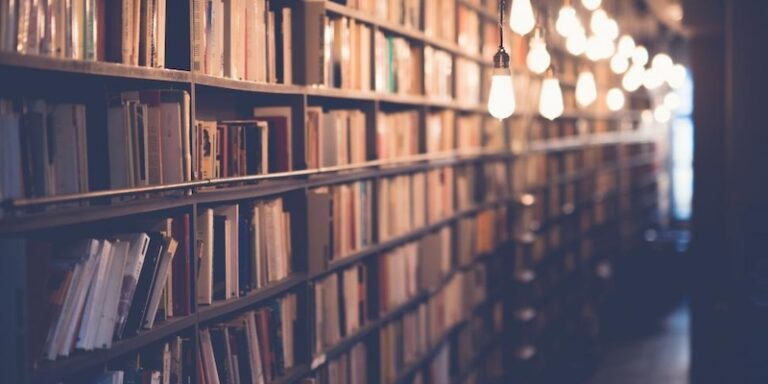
502,3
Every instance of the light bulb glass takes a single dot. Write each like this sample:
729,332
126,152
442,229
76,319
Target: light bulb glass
593,48
662,114
521,18
551,99
663,62
633,78
591,4
677,76
640,56
501,99
576,43
646,116
653,78
626,46
610,29
586,89
567,22
615,99
619,63
672,101
597,22
538,59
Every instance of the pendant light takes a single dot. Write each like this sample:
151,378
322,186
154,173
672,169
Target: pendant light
591,4
538,58
501,99
551,97
567,21
633,78
626,46
521,18
615,99
619,63
586,89
640,56
576,43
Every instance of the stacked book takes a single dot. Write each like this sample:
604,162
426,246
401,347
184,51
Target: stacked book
256,347
398,65
347,54
440,189
242,248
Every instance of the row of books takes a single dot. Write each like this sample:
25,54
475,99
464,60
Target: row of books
100,290
348,368
438,73
242,248
335,137
341,218
397,65
341,306
467,186
44,149
481,234
131,32
244,147
403,342
148,138
170,362
397,134
440,184
263,53
347,54
468,25
401,202
256,347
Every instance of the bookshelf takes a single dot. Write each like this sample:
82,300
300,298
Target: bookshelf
104,211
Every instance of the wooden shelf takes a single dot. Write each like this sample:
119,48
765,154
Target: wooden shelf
91,68
52,372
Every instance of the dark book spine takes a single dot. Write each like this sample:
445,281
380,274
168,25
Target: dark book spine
244,253
219,257
144,286
277,339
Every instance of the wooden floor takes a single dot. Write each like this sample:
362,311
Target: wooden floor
658,356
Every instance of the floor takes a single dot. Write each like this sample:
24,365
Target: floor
656,356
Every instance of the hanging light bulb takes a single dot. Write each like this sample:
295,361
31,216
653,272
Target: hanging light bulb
653,78
586,89
615,99
619,63
677,76
672,101
597,21
538,58
640,56
610,29
663,62
626,46
551,97
633,79
576,43
521,18
567,22
591,4
593,48
662,114
501,98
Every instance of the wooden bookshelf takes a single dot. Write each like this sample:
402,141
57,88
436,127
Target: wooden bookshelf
54,216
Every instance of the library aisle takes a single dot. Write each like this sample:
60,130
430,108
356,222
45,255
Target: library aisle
659,353
382,191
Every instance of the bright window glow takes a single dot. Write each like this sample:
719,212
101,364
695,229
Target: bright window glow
662,114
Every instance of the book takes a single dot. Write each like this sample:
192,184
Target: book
280,136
